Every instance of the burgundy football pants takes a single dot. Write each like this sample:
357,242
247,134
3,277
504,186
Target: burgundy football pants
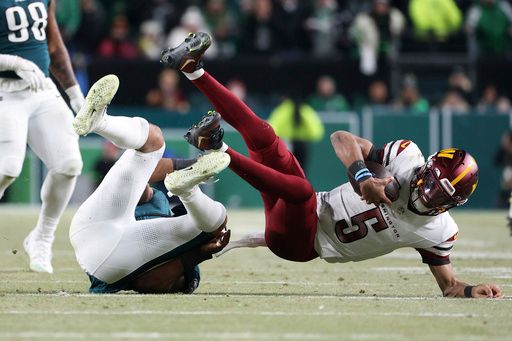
288,198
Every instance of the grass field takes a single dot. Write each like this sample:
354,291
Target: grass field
252,295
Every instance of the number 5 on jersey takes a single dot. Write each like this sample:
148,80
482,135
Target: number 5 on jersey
360,223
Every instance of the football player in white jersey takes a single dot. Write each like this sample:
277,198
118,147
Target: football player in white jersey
33,112
124,235
354,228
338,226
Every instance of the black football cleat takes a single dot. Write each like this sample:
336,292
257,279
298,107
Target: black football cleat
207,134
186,56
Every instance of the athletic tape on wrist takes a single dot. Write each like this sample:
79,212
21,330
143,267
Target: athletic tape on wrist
359,171
467,291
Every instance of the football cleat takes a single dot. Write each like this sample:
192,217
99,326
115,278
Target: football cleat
207,134
39,251
182,181
95,106
186,57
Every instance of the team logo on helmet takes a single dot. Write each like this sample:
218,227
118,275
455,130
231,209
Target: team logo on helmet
446,180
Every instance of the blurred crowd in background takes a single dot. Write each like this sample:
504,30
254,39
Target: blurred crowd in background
371,31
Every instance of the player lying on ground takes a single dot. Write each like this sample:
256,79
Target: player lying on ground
31,109
338,226
125,246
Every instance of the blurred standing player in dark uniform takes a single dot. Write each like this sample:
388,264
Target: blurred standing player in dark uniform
33,112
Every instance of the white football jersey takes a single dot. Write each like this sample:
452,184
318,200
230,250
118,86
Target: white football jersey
349,229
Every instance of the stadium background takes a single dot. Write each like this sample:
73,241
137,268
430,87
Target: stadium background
252,294
305,40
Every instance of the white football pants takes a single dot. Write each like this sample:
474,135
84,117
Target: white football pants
110,244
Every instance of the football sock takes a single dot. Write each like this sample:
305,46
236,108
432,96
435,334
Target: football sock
124,132
5,182
182,163
207,213
194,75
55,194
267,180
224,147
257,133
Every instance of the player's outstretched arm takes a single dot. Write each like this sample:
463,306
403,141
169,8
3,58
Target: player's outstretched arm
254,239
349,147
352,150
169,165
451,287
60,64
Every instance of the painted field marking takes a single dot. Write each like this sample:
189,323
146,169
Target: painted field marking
195,335
235,336
201,296
239,313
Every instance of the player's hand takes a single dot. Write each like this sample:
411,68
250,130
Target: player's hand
31,74
486,291
76,98
372,190
216,244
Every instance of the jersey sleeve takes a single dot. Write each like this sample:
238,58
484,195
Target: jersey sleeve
401,158
157,207
438,254
392,151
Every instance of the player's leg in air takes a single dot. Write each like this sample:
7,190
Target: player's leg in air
158,254
289,200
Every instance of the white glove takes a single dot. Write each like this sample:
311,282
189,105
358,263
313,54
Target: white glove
30,73
76,98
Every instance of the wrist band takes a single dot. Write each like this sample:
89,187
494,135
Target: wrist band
74,91
359,171
467,291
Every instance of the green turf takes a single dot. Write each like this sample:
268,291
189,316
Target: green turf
253,295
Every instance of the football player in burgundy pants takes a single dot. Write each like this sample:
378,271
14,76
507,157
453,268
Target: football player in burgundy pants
338,226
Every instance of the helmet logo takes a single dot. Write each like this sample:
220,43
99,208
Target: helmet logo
448,153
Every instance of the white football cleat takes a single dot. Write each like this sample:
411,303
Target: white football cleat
206,166
98,98
39,251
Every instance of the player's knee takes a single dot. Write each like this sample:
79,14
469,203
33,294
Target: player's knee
155,139
11,167
71,167
281,245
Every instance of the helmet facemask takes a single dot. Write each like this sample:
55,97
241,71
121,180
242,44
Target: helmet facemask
431,195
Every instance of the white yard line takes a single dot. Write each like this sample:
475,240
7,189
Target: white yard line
236,336
457,254
28,281
458,269
201,296
240,313
191,335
